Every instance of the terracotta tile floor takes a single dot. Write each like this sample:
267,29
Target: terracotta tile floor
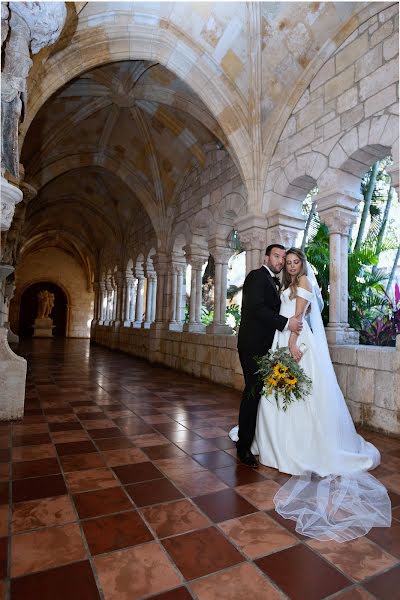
123,485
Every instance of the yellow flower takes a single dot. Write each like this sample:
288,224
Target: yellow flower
280,370
272,381
291,380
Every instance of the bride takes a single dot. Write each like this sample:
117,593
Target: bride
331,495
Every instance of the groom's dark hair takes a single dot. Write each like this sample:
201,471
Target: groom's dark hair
271,246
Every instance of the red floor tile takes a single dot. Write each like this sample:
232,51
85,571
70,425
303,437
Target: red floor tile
301,574
36,468
385,585
114,532
38,487
62,583
137,472
153,492
223,505
201,552
102,502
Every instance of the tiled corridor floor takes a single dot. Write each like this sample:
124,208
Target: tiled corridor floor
124,485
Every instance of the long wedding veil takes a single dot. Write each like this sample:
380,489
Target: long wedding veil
344,505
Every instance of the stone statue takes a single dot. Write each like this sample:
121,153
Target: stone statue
45,304
32,25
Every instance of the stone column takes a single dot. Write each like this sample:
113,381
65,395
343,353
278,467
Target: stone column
139,298
196,257
175,300
113,300
337,210
150,276
109,304
32,26
161,268
154,297
221,255
102,303
10,196
283,227
96,290
130,300
252,230
118,297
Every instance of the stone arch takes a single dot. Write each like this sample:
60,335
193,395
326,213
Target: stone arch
169,46
108,163
180,237
328,50
231,207
50,279
359,148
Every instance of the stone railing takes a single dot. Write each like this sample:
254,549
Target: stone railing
369,376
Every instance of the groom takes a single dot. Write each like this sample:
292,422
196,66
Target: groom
259,321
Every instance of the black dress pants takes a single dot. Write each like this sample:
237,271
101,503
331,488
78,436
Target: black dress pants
250,399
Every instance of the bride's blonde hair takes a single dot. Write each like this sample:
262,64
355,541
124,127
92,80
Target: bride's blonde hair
287,280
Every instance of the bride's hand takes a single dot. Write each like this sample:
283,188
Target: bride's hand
295,352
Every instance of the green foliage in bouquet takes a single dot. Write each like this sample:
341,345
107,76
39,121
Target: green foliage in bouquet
283,377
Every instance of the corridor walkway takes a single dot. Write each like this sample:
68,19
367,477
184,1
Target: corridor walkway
124,485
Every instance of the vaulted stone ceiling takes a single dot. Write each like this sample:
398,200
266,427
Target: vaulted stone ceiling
113,145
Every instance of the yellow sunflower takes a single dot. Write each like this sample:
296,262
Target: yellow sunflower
280,370
291,380
272,381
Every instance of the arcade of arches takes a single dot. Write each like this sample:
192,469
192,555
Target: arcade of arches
150,131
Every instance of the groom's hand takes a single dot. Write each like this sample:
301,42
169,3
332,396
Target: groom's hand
295,325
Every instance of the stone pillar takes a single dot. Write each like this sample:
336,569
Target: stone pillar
139,298
153,297
337,210
221,255
102,302
109,304
130,300
10,196
253,235
196,257
176,274
12,378
96,303
32,26
118,297
283,227
161,268
150,276
113,300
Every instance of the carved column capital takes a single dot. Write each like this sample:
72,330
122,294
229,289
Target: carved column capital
45,21
10,196
338,220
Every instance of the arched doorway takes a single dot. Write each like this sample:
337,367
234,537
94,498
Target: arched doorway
29,306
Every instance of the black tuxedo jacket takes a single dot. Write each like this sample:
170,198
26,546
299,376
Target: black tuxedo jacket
260,313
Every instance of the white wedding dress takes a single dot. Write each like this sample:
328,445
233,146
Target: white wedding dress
331,495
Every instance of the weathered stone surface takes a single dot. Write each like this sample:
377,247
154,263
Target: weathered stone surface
339,84
353,51
380,79
381,100
382,33
12,381
368,63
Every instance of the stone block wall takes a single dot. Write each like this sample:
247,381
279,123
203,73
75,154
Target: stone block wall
368,376
348,115
60,268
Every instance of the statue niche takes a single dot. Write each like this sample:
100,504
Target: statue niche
43,325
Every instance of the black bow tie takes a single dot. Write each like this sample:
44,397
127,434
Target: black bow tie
277,282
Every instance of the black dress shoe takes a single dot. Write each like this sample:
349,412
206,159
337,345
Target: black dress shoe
247,458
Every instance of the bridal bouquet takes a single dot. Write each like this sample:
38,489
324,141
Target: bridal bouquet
283,377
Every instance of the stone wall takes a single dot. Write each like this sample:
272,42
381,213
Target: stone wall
60,268
368,376
346,119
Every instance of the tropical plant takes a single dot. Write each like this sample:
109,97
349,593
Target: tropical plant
383,328
233,313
